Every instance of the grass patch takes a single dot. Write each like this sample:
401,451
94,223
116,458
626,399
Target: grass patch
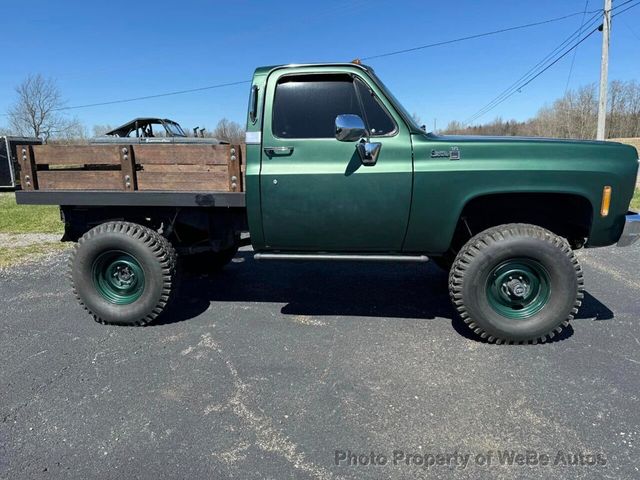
10,256
635,201
28,218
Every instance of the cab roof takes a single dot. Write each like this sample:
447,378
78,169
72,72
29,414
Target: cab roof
265,70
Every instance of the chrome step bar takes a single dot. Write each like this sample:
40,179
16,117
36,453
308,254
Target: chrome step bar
341,257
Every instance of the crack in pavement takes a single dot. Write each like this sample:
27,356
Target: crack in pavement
268,438
12,415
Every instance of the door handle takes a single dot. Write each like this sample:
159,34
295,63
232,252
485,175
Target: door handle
273,151
369,152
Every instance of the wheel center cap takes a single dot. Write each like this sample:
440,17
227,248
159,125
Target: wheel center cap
123,275
516,288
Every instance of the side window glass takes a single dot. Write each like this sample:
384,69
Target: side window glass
253,104
307,106
379,121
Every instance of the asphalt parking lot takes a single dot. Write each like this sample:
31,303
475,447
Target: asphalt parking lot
288,370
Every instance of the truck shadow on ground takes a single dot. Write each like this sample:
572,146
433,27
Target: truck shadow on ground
378,290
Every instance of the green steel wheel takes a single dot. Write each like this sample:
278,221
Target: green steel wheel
123,273
118,277
518,288
516,283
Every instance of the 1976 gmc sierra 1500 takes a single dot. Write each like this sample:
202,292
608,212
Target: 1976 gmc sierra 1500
334,168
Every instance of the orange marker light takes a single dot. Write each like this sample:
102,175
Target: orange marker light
606,201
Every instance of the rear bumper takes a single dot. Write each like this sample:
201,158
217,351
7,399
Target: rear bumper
631,232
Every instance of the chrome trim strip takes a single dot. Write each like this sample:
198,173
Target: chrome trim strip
341,257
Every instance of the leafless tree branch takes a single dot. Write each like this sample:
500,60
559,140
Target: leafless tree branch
36,114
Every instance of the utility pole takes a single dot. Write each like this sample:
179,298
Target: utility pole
604,71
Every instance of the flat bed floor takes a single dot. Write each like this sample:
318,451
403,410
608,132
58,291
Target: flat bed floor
142,199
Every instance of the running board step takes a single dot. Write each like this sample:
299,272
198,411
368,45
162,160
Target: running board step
341,257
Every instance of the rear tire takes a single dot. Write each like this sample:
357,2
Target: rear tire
123,273
516,283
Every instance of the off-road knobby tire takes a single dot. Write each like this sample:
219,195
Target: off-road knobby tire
469,276
156,256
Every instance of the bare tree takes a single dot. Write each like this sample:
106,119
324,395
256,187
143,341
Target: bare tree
229,131
574,115
100,130
36,112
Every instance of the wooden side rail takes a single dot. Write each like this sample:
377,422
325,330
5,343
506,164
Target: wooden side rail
152,167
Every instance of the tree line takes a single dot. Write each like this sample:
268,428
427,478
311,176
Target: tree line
574,115
39,112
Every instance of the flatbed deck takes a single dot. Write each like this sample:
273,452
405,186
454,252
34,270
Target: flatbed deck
104,198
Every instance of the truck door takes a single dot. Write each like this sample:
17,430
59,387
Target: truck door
316,194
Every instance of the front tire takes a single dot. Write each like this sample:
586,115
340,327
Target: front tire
516,283
123,273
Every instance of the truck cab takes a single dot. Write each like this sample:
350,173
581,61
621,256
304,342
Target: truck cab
310,189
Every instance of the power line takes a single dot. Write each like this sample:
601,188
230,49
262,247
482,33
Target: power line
158,95
575,52
471,37
519,83
517,87
146,97
240,82
621,5
628,8
541,72
532,70
180,92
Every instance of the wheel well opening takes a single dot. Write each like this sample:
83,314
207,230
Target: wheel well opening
567,215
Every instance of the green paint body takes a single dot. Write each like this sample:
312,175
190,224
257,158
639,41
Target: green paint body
321,198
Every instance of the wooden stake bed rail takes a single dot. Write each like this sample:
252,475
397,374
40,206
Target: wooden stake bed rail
129,168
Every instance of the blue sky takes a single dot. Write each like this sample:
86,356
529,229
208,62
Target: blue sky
118,49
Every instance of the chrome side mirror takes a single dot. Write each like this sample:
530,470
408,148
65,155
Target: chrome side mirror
350,128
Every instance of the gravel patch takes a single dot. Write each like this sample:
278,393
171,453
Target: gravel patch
26,239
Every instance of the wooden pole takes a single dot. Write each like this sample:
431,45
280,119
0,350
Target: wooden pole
604,71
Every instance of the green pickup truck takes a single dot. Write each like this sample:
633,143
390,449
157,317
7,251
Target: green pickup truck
334,168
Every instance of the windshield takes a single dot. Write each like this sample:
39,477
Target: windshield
403,111
175,129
